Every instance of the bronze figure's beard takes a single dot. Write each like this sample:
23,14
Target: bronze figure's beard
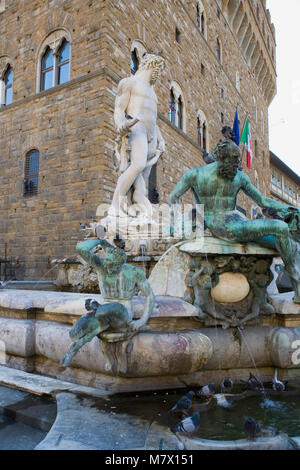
227,171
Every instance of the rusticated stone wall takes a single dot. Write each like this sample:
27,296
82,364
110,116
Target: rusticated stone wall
71,125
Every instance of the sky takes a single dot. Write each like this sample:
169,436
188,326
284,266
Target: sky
284,110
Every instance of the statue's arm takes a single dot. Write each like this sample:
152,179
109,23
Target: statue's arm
182,187
84,249
144,287
121,103
262,201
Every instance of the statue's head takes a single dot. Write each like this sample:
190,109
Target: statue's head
228,155
154,62
114,260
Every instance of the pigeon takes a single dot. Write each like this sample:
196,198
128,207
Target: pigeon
91,305
252,384
226,385
222,401
188,425
252,429
277,385
207,390
183,404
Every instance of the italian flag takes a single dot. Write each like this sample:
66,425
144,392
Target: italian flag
247,140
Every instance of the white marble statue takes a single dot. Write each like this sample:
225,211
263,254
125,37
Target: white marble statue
139,143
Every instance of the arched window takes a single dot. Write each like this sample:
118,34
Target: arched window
177,110
219,51
199,132
8,82
47,70
180,113
256,149
54,60
138,49
204,139
134,62
31,173
63,63
172,108
200,18
202,135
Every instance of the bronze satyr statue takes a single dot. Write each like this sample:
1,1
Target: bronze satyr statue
118,283
217,185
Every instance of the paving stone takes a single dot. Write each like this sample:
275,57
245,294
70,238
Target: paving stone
18,436
79,421
42,385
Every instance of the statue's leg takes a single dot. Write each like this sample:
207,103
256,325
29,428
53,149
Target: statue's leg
140,195
113,316
258,230
67,359
138,142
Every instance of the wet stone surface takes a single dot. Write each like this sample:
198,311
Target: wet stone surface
25,419
18,436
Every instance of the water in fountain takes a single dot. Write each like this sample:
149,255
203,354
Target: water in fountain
143,252
46,274
216,323
253,361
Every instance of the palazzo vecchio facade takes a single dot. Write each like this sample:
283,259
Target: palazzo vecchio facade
60,63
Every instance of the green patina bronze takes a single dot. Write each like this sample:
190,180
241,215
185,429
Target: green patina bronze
217,185
118,282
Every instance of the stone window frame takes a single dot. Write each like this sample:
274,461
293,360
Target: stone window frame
140,49
54,41
201,18
178,96
5,64
201,118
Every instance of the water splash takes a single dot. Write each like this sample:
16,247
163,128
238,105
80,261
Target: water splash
253,361
267,404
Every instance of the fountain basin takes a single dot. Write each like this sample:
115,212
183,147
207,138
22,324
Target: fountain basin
177,350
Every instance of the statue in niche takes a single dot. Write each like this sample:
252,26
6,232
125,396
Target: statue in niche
217,185
118,282
139,143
